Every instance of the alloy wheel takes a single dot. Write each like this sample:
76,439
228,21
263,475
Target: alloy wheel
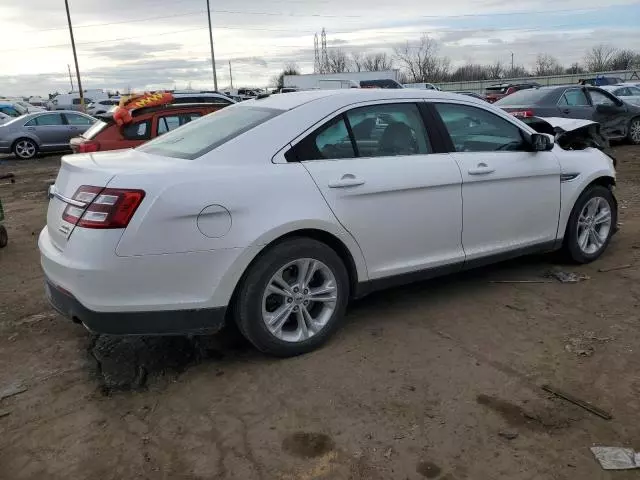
594,225
299,300
25,149
634,131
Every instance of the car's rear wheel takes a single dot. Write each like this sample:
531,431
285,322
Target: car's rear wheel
25,148
634,131
293,297
591,224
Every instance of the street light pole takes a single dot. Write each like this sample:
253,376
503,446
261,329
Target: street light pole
75,56
213,57
230,76
511,63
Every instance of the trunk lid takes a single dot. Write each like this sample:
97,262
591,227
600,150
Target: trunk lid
96,170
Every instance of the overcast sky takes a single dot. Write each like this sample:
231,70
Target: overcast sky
148,44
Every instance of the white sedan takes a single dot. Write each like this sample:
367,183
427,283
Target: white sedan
627,92
275,212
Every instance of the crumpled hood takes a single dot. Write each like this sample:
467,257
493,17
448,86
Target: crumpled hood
570,133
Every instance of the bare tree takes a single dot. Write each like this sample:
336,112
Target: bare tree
357,60
625,60
289,69
599,58
338,62
422,62
574,69
518,71
377,62
469,73
495,71
547,65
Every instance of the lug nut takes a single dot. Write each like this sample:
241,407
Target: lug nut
295,309
289,300
296,289
306,302
305,291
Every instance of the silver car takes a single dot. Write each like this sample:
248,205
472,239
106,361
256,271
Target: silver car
29,134
628,93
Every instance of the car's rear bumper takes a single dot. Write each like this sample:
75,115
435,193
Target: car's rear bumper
168,322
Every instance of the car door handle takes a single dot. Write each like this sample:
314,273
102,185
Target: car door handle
31,128
566,110
347,180
481,169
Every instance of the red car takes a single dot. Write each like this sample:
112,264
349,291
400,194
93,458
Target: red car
494,93
147,123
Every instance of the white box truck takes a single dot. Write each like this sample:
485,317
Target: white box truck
325,81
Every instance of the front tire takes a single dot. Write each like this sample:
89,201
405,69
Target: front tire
25,148
591,224
293,297
634,131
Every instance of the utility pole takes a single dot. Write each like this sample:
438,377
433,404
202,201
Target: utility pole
213,57
70,77
75,56
230,76
511,63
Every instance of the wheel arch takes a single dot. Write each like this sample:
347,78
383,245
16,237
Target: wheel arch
341,242
604,179
24,136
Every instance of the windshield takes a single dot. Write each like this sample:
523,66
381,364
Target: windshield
94,129
530,96
203,135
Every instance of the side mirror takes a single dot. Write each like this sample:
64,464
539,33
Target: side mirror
542,142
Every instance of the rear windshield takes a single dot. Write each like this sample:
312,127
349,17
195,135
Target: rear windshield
94,130
497,89
530,96
203,135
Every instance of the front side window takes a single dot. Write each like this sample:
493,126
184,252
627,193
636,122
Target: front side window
599,98
474,129
388,130
576,98
634,91
622,92
137,131
198,138
49,120
78,120
12,112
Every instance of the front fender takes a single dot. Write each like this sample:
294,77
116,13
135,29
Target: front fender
571,190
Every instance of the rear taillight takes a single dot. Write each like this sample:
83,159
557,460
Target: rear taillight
88,146
522,113
105,207
509,91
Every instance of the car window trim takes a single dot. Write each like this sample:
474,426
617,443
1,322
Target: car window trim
352,137
293,143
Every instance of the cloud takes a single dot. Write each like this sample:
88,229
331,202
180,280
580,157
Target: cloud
133,50
496,41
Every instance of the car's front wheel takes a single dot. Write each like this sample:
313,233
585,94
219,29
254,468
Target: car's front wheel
591,224
293,297
25,148
634,131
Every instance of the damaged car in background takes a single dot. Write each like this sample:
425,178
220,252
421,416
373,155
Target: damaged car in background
572,134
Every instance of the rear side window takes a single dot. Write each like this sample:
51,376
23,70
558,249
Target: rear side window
529,96
137,131
388,130
78,119
600,98
46,120
198,138
331,141
474,129
168,123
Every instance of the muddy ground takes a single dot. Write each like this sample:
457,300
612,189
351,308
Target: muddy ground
436,380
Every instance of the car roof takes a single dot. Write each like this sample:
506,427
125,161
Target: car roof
289,101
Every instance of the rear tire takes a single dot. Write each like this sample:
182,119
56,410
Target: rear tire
293,297
633,134
25,148
592,223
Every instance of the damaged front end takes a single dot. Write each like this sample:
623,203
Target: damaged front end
572,134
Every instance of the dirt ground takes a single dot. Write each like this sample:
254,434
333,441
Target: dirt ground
436,380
